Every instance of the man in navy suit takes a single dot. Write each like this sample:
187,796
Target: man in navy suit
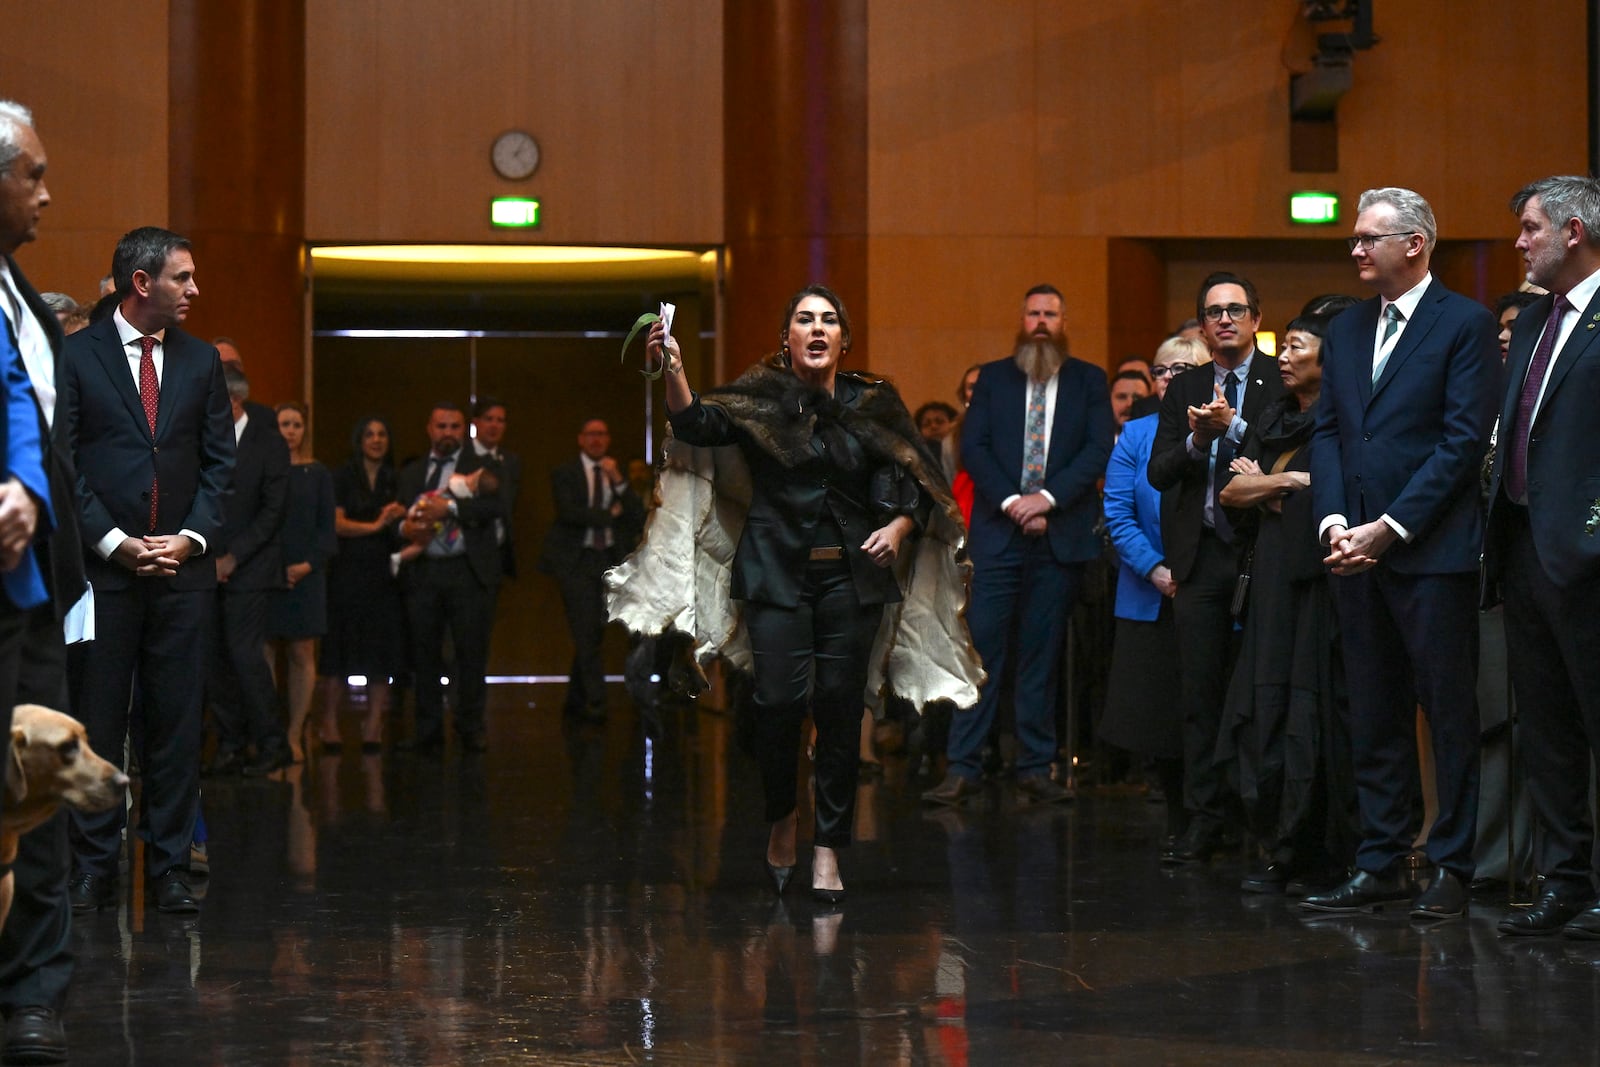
1410,381
1204,419
1035,441
1542,551
152,438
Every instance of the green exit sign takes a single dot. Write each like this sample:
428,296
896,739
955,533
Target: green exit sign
1313,209
514,211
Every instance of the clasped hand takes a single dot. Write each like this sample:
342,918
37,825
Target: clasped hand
1358,548
155,555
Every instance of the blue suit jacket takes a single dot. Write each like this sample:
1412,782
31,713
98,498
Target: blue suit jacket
1410,445
1080,443
1563,451
1133,519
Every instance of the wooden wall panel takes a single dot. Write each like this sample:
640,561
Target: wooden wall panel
941,305
104,129
624,97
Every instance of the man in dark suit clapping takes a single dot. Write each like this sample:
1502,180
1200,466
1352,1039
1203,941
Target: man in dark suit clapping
1542,551
152,437
1410,381
1204,418
452,504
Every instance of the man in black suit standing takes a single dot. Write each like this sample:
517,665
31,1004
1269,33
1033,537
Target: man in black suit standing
35,944
489,431
249,574
1204,418
1035,439
1409,383
1542,550
152,435
452,503
594,504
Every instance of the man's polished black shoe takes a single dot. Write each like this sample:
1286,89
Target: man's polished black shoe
1197,845
268,761
34,1035
91,892
952,791
173,895
1557,905
1269,878
1584,926
1365,891
1445,898
1042,789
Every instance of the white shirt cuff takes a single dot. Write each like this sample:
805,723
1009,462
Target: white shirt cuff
108,544
197,539
1046,494
1397,528
1331,520
1006,503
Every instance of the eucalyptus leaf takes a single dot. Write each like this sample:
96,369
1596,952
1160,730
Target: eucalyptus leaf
638,324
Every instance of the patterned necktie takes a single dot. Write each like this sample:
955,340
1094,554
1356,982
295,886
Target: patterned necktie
1033,452
1391,316
149,396
1517,457
1219,473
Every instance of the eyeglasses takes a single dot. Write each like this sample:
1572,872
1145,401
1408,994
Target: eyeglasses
1235,312
1162,370
1367,241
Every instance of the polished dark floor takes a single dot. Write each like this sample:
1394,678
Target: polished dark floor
581,895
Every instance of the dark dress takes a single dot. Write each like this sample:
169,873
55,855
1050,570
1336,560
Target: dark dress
307,537
1283,739
366,632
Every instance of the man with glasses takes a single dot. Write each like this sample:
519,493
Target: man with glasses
1204,418
1409,389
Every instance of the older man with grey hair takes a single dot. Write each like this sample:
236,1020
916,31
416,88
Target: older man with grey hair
35,945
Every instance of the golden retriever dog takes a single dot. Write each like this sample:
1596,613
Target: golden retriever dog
50,764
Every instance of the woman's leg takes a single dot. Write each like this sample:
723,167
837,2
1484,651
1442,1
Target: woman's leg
377,712
302,684
332,691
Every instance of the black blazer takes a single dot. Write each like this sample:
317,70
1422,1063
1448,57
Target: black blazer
61,551
508,468
1183,480
476,515
1563,451
787,504
992,447
1410,445
569,485
117,458
253,514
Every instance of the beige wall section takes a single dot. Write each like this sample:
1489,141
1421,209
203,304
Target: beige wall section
104,132
1001,128
624,97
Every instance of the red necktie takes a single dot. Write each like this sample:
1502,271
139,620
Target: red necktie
149,392
1516,475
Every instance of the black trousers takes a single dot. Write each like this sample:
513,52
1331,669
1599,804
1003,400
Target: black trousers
239,687
1553,652
36,942
1206,651
583,595
445,596
812,655
159,634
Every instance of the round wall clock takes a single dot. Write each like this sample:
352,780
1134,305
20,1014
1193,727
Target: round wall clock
515,155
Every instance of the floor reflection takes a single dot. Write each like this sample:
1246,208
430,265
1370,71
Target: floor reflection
589,894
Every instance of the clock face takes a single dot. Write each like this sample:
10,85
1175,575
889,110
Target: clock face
515,155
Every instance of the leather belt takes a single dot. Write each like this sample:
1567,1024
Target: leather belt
831,552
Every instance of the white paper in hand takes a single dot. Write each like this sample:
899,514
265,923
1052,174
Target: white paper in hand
667,311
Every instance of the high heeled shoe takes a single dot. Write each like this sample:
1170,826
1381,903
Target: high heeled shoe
833,898
780,877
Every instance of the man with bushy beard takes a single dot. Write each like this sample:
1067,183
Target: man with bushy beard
1204,418
1035,440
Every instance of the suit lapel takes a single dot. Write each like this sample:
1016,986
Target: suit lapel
1520,354
1579,342
176,378
1427,313
1359,359
114,362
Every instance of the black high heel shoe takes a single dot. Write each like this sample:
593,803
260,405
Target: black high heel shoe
780,877
833,898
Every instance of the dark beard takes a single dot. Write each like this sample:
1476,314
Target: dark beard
1039,357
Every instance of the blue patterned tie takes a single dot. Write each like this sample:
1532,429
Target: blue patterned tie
1033,452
